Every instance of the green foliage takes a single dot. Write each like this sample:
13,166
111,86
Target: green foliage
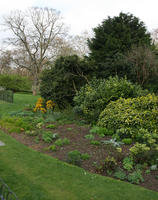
62,142
51,126
128,163
127,141
120,174
31,132
64,79
85,156
100,131
131,115
95,142
53,147
15,83
47,136
6,95
112,40
15,124
135,177
110,163
112,142
92,98
74,157
89,137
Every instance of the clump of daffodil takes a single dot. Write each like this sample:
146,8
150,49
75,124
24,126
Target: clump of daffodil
41,107
50,105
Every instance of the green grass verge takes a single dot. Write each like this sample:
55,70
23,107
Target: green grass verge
35,176
20,101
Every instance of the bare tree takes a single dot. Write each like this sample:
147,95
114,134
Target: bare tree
144,63
36,32
5,61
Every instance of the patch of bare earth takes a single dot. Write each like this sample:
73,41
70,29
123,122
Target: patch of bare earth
78,142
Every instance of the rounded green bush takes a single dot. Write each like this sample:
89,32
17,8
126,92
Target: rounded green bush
93,97
137,117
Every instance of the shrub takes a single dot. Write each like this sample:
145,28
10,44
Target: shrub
47,136
85,156
89,137
135,177
128,163
92,98
15,83
61,82
100,131
131,115
109,163
62,142
74,157
53,147
120,174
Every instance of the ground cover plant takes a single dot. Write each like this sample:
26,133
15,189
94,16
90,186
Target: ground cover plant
96,149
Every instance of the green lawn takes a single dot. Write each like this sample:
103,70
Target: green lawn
35,176
20,100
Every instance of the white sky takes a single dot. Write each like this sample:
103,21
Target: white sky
86,14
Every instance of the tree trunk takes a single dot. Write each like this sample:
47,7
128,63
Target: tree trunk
35,86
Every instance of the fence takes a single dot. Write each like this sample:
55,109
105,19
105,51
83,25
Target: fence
6,95
5,192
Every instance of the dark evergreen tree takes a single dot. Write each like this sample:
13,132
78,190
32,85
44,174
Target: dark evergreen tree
113,39
64,79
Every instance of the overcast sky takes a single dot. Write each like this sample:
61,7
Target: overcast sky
83,15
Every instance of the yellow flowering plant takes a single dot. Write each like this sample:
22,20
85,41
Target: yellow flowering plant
49,106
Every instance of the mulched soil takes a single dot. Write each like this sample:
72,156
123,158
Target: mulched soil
80,143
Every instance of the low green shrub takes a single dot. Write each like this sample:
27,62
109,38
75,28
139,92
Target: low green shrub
92,98
53,147
62,142
74,157
85,156
95,142
47,136
6,95
120,174
89,137
128,163
100,131
135,177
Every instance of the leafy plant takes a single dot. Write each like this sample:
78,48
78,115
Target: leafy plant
36,139
109,163
127,141
120,174
95,142
47,136
62,142
85,156
113,142
135,177
100,131
51,126
93,98
128,163
74,157
89,137
53,147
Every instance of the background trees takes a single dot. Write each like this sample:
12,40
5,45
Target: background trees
36,33
112,39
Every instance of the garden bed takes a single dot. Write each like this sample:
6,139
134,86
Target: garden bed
76,137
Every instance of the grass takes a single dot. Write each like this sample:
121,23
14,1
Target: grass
20,101
35,176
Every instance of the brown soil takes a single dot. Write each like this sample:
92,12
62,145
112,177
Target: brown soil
78,142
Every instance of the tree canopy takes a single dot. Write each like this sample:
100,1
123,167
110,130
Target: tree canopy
113,38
